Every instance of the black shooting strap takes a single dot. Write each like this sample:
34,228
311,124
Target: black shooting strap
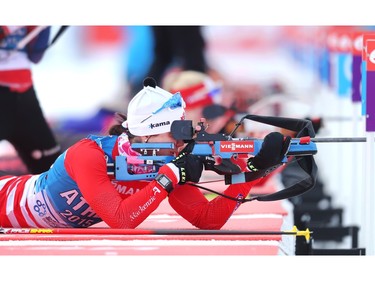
58,34
307,163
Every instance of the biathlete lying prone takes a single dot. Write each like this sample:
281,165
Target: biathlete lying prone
77,190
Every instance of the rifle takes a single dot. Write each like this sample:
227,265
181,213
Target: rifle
230,153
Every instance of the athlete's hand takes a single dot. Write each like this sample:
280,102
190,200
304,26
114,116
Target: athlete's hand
272,152
191,166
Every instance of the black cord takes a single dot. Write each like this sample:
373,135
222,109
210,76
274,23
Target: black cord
223,195
244,200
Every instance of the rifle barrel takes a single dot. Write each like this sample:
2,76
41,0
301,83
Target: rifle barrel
357,139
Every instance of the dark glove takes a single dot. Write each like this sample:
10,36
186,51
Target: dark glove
191,166
272,152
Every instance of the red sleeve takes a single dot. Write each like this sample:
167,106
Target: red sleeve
191,204
4,32
86,164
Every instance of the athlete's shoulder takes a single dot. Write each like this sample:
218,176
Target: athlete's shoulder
83,145
84,153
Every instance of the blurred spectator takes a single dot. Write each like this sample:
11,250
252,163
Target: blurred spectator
22,122
180,47
197,89
203,97
174,48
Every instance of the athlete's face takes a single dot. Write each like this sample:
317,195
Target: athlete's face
166,137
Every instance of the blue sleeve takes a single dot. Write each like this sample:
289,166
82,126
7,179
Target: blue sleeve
36,48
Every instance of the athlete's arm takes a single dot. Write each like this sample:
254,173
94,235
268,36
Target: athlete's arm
191,204
86,164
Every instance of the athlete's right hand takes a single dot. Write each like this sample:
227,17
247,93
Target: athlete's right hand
190,166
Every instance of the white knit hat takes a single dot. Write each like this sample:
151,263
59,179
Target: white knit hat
152,110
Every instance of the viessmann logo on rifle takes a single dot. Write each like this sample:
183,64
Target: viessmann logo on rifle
237,146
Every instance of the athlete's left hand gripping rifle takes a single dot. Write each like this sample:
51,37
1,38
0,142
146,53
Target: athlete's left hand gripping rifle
230,153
